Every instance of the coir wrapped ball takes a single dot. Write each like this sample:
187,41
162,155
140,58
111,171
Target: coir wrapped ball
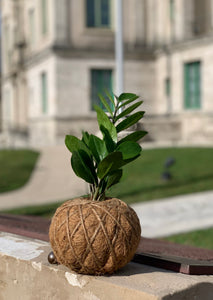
92,237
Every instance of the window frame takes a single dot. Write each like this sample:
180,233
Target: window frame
44,92
97,14
44,17
192,85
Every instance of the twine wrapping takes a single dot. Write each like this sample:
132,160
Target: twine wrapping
92,237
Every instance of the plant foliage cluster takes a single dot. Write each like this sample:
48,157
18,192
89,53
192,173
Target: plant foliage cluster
99,161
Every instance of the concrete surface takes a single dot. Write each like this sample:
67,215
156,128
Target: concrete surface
26,274
53,180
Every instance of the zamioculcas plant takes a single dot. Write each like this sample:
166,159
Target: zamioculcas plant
97,235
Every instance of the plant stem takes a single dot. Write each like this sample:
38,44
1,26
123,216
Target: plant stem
96,194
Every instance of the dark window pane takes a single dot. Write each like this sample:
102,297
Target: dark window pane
192,88
105,13
98,13
90,13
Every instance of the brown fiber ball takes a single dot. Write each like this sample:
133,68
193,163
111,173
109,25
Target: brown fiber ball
92,237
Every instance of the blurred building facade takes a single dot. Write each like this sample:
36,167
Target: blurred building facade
57,55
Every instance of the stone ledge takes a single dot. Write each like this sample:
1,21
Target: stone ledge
26,274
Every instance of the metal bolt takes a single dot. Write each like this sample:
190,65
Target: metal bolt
52,258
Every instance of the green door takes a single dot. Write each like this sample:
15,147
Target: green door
192,85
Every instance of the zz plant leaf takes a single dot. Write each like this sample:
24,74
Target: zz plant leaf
100,161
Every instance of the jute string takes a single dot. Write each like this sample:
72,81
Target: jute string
102,213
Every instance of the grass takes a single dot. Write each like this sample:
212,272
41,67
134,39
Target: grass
198,238
15,168
45,210
142,181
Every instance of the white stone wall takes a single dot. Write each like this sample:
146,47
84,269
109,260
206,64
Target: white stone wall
73,83
7,106
147,24
41,41
33,76
42,125
140,78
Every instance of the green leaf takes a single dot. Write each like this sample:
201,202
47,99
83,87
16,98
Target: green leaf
104,122
83,166
129,149
127,102
85,137
128,110
74,144
110,144
131,120
126,96
127,161
97,147
133,137
105,103
114,178
110,163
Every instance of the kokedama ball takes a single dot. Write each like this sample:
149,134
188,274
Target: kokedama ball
92,237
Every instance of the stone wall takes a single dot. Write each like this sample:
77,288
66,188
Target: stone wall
26,274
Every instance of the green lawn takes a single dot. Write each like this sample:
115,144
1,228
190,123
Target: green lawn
142,180
198,238
15,168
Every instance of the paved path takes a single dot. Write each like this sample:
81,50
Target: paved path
176,214
53,180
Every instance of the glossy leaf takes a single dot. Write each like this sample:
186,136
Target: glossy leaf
131,120
97,147
110,144
127,161
85,137
74,144
128,110
127,102
129,149
133,137
83,166
104,122
105,103
114,178
110,163
126,96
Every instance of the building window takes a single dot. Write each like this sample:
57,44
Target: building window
44,15
32,27
44,94
101,80
98,13
168,87
171,10
192,85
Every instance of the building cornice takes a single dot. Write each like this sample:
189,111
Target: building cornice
186,44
